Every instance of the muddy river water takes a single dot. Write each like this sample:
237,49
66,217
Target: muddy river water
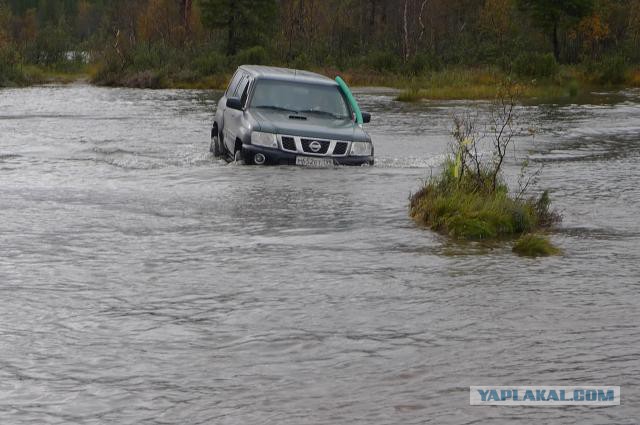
144,282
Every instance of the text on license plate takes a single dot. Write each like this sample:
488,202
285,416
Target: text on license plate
314,162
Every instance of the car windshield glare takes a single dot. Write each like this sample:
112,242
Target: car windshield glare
298,97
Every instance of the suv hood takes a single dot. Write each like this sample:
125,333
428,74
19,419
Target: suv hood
315,125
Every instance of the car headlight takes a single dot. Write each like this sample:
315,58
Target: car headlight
360,149
259,138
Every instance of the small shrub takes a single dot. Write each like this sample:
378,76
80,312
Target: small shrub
147,56
210,63
33,74
10,71
301,61
148,79
383,61
542,207
50,47
610,70
536,65
422,63
256,55
574,88
109,70
532,245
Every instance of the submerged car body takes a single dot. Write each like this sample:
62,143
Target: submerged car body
272,115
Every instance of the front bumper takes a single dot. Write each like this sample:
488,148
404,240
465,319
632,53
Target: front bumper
278,157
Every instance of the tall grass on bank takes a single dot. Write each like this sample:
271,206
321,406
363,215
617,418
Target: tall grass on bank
539,76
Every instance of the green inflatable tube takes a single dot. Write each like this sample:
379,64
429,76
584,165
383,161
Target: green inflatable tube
350,98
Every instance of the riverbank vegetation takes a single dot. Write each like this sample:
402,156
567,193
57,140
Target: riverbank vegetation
469,198
428,48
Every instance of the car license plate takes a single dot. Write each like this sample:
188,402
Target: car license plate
307,161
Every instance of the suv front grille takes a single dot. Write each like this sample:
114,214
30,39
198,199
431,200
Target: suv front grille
308,143
341,148
303,146
288,143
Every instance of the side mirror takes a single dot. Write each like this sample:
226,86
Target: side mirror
366,117
234,103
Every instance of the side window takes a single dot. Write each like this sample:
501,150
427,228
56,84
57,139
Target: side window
243,91
240,86
234,83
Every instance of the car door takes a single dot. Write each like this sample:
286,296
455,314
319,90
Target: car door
222,103
233,119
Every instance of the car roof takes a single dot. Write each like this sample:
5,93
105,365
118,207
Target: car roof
286,74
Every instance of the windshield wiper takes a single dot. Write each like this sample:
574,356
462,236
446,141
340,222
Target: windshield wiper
276,108
315,111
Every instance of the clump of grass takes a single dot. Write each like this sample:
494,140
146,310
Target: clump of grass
467,209
533,245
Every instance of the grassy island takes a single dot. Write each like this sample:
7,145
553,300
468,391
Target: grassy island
469,199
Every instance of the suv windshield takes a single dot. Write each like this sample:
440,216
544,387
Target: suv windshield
300,98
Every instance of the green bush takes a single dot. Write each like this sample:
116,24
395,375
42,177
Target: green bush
573,88
422,63
210,63
256,55
50,47
383,61
610,70
147,56
536,65
110,68
146,65
10,71
148,79
301,61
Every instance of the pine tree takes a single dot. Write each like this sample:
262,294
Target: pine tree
246,22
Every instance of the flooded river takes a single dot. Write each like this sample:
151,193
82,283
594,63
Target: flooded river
144,282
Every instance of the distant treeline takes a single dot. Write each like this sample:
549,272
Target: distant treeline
150,42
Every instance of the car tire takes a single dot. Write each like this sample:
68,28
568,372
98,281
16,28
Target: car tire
215,147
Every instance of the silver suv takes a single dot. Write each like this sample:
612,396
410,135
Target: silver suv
283,116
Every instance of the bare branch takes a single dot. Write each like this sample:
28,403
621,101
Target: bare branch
422,27
406,32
